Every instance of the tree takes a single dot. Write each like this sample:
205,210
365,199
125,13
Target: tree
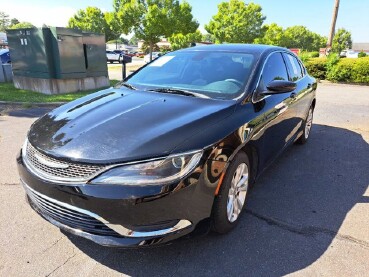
341,41
13,21
179,41
22,25
119,40
151,20
93,20
272,35
4,21
301,37
133,40
236,21
208,38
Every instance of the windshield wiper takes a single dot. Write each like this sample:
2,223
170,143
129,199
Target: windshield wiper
179,91
126,85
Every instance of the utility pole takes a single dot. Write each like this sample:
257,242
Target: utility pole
333,26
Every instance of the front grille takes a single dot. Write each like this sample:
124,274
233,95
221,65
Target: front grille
68,216
60,170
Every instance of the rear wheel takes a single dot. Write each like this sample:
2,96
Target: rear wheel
231,199
306,127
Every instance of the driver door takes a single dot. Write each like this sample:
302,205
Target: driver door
278,119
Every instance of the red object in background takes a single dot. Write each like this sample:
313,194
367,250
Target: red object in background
295,50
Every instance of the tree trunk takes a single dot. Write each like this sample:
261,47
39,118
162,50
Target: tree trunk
333,26
150,49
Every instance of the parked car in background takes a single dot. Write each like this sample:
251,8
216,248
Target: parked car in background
351,54
5,56
155,55
175,146
131,54
343,54
120,52
111,57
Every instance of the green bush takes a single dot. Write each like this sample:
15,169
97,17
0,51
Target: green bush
360,71
317,67
305,56
350,71
361,55
341,71
314,54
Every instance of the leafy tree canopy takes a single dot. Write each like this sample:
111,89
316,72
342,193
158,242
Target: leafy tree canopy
341,41
22,25
208,38
13,21
236,21
4,21
151,20
301,37
179,41
92,19
273,35
292,37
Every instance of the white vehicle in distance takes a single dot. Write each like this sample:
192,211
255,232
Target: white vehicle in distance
155,55
352,54
113,57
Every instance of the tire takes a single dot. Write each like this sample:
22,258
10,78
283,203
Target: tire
307,125
224,214
111,61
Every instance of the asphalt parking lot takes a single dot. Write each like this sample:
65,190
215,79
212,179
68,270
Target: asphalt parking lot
308,215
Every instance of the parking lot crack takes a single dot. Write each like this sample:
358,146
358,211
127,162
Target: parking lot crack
307,231
52,245
66,261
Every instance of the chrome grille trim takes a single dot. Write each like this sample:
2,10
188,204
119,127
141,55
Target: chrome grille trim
55,170
40,199
65,215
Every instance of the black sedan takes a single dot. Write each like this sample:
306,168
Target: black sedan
175,146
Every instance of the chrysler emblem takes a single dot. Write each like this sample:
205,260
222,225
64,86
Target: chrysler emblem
50,163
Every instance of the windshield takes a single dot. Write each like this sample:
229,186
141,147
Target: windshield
220,75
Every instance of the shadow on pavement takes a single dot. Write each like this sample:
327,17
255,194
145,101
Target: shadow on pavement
29,112
293,213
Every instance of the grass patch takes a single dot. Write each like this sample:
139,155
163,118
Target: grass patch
129,67
11,94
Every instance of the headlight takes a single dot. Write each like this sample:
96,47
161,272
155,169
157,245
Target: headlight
163,171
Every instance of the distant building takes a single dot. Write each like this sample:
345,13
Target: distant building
121,46
165,44
360,46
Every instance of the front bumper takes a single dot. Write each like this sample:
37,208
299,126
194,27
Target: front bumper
120,215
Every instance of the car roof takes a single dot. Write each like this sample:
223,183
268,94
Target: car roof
233,47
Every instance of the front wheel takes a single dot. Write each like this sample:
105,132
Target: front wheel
231,198
308,123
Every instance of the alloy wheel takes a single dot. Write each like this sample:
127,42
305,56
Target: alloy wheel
237,192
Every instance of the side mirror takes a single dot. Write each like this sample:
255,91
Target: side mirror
280,86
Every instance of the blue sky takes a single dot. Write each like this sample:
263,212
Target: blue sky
314,14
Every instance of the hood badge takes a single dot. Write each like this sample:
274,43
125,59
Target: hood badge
50,163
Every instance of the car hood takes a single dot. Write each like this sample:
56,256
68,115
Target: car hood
118,125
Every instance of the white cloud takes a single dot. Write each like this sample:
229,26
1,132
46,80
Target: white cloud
53,16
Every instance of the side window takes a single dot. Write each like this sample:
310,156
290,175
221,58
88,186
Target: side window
294,67
274,69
